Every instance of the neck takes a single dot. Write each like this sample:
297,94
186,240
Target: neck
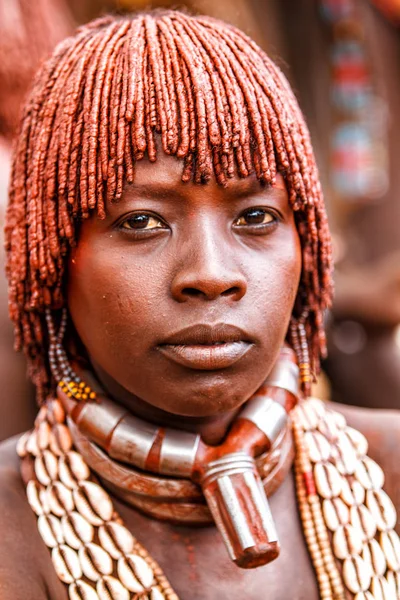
212,429
226,473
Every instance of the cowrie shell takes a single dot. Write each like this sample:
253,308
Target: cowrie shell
46,467
316,405
364,596
328,427
109,588
79,590
393,580
347,541
369,474
93,502
50,530
53,445
66,563
95,561
143,571
390,544
353,494
21,444
338,418
41,415
362,520
55,412
155,594
328,480
358,440
336,459
76,530
336,513
318,447
127,576
72,469
43,435
37,498
60,439
32,446
116,539
306,416
373,555
347,457
135,573
380,589
59,498
356,574
382,509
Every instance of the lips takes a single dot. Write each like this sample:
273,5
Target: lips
207,347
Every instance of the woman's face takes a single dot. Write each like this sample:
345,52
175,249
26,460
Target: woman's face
183,294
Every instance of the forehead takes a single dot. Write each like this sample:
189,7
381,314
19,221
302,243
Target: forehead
165,175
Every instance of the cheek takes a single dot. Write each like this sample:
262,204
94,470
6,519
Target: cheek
111,299
279,277
275,294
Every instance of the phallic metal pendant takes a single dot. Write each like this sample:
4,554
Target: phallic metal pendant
234,491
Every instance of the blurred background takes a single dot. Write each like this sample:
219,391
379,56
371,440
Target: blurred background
342,58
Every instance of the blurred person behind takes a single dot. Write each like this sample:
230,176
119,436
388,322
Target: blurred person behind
28,33
364,350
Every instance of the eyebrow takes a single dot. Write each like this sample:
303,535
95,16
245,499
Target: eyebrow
240,191
155,190
236,190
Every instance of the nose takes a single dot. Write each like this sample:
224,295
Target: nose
208,272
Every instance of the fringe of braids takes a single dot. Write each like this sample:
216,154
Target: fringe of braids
216,101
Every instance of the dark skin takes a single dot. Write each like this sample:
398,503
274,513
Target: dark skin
170,256
201,268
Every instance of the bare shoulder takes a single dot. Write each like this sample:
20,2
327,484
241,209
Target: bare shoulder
381,427
25,564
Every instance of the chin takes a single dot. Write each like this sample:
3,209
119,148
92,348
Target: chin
210,395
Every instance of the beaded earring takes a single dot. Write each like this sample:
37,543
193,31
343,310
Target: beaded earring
298,336
67,379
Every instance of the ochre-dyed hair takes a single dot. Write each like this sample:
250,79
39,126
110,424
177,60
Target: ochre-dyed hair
29,31
216,101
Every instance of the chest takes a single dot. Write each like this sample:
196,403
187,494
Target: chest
197,565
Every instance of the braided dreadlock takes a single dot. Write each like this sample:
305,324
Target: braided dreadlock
216,100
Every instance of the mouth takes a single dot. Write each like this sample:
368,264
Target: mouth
207,347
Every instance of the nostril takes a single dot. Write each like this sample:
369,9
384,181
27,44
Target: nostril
233,291
208,290
190,291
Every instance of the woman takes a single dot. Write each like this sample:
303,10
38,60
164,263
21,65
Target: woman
166,234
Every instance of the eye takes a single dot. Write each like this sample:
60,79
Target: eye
254,217
141,221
